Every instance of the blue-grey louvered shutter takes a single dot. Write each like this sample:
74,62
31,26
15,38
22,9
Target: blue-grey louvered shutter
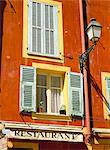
35,27
27,89
75,94
108,93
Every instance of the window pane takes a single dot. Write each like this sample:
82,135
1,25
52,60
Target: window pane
42,99
20,148
34,13
55,100
41,80
56,82
108,83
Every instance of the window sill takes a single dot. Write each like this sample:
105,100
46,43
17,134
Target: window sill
44,55
59,58
54,117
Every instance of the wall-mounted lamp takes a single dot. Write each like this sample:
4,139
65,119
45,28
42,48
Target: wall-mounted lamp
94,32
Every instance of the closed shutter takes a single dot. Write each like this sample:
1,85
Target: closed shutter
35,27
108,94
51,30
42,29
75,94
27,89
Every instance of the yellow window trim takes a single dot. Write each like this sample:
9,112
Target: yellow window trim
52,117
103,76
60,70
60,33
34,146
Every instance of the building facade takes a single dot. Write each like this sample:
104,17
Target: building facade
42,90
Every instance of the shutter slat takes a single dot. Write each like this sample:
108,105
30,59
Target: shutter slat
75,101
39,14
75,94
34,13
27,96
27,88
28,75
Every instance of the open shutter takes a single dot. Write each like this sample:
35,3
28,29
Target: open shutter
108,93
27,89
75,94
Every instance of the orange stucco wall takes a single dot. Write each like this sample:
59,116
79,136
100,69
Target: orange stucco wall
99,58
12,54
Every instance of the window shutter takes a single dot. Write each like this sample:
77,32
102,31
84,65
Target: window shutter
108,93
29,26
51,30
35,27
75,94
55,16
27,89
42,28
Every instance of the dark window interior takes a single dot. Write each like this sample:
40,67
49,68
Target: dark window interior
20,149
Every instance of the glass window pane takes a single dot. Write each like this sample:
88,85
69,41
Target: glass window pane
56,82
41,80
20,148
55,100
42,99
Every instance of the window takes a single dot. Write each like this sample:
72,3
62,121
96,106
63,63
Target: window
49,88
44,29
24,146
20,149
106,92
50,91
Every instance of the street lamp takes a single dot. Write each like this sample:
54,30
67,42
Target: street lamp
94,32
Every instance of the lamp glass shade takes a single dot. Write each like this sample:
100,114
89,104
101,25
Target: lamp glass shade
97,31
94,30
90,33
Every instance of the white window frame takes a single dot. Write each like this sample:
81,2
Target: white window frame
108,96
49,75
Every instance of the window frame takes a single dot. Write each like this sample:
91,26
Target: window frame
104,76
61,70
60,57
34,146
49,75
